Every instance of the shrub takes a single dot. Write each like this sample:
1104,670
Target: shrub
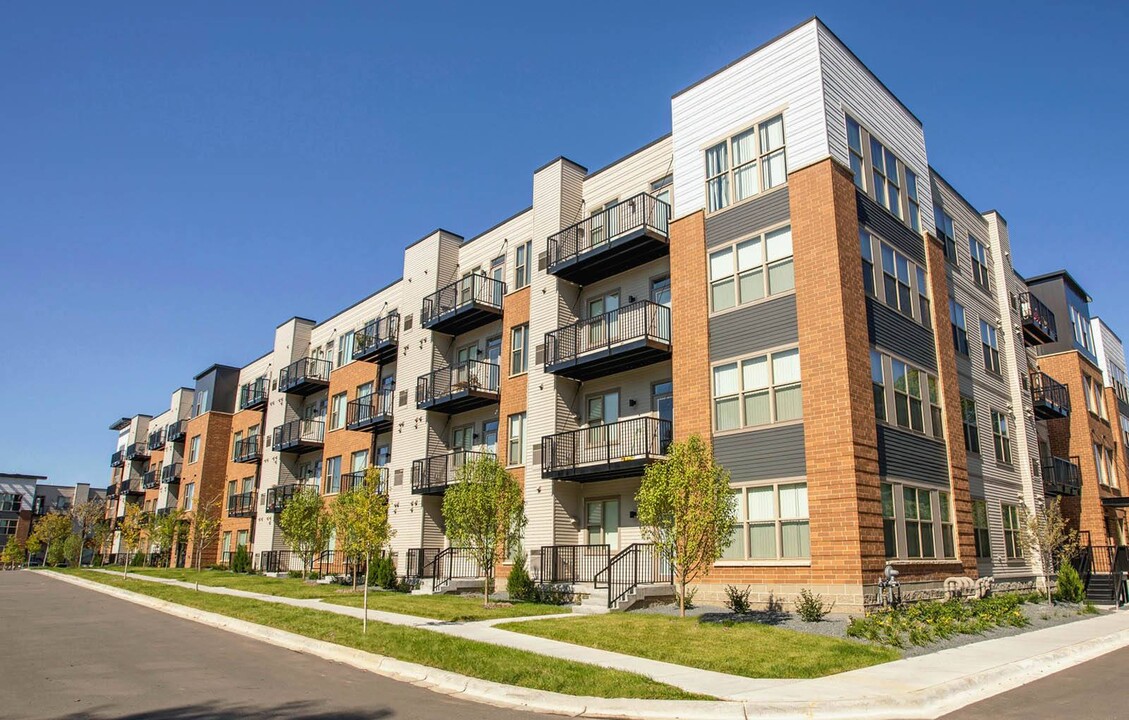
241,560
72,548
811,607
295,574
138,560
737,599
382,573
1069,587
688,598
926,622
553,594
518,584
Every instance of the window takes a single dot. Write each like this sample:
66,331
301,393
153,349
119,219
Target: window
345,348
232,486
1002,437
194,449
1011,531
867,262
1110,467
7,527
772,523
968,419
980,532
337,411
907,396
758,391
884,171
732,172
909,390
877,378
248,484
11,502
889,521
521,264
980,263
189,495
945,233
226,547
913,206
895,280
918,523
935,420
241,538
752,269
333,474
990,340
236,443
922,297
854,146
1081,327
960,328
519,349
515,449
948,546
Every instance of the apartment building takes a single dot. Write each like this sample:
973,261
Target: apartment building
17,503
784,274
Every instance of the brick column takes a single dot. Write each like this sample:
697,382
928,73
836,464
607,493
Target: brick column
689,301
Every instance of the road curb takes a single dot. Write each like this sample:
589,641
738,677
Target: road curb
922,704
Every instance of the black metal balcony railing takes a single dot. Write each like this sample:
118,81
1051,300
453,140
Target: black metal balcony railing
605,452
117,459
1038,320
419,561
176,431
157,439
129,487
278,496
371,412
151,480
626,235
458,388
432,475
248,449
299,436
1051,399
137,451
629,337
376,341
1062,476
253,395
357,478
170,473
241,505
465,304
304,376
161,512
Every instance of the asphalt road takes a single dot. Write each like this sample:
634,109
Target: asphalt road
67,652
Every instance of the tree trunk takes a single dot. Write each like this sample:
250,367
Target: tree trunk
682,596
125,568
364,622
487,571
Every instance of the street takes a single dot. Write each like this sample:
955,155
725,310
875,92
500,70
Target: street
74,653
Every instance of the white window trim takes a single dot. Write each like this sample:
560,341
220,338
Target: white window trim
742,526
728,139
771,387
732,246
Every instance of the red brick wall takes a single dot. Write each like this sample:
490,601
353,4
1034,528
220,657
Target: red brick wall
209,472
690,327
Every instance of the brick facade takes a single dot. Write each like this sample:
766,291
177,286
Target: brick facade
209,472
689,310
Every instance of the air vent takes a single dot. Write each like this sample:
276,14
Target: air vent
408,321
403,398
398,477
539,354
543,261
537,454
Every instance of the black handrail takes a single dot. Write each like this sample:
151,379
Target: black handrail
640,211
1033,311
157,439
375,333
419,559
253,393
453,563
573,563
117,459
248,449
137,451
640,438
367,408
356,478
297,432
170,473
640,320
176,431
439,471
304,370
279,495
1045,389
472,290
150,480
273,561
638,564
469,376
241,504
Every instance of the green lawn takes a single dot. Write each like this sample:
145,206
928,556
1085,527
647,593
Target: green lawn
480,660
283,587
452,608
748,649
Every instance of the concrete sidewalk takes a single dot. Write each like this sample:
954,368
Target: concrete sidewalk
922,687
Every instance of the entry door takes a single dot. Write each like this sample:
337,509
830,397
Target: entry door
602,410
490,436
662,403
659,325
494,351
466,288
603,319
603,522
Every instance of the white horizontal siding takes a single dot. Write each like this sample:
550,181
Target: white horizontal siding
629,177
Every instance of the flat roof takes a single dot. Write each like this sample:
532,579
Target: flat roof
1065,277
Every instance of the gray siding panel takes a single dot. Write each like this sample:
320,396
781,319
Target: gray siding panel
757,327
762,454
748,217
891,330
890,228
911,456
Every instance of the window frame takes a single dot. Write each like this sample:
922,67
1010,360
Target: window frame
971,439
519,352
518,421
771,389
981,534
744,523
764,267
1010,514
726,176
1001,437
928,411
194,449
981,267
960,329
990,344
337,413
522,265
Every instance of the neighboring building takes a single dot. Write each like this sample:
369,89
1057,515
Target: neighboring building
17,499
784,274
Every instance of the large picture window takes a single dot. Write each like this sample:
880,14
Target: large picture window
772,523
757,391
752,269
747,163
917,522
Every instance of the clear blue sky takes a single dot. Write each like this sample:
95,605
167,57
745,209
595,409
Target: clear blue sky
175,180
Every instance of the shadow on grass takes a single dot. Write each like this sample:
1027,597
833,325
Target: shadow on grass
297,710
762,617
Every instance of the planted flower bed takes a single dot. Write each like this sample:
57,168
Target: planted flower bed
928,622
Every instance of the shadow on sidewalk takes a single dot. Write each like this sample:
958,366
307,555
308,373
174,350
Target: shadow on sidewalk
297,710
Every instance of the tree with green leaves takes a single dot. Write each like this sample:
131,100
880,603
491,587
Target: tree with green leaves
131,526
100,535
361,519
72,549
305,525
205,526
31,546
484,512
51,531
13,554
85,516
687,509
167,529
1047,538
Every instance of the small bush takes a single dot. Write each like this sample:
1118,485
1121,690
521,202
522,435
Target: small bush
553,594
1089,609
138,560
1069,587
295,574
72,548
518,584
382,573
926,622
241,560
688,599
737,599
811,607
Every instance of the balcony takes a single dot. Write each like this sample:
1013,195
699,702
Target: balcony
176,431
464,305
241,505
1051,398
377,341
248,449
170,473
137,451
626,235
466,386
1038,320
605,452
279,495
305,376
357,479
253,395
1062,476
117,459
371,412
151,480
129,487
629,337
157,439
432,475
299,436
161,512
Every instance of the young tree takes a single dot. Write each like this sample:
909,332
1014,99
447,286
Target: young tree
13,555
305,525
1046,538
205,526
51,531
85,516
484,512
32,546
166,530
686,508
361,519
72,549
99,536
131,527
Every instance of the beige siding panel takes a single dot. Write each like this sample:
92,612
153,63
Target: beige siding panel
628,177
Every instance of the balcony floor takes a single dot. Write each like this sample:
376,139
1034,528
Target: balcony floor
1050,411
460,402
464,318
623,252
380,353
611,360
1035,334
376,424
304,387
598,472
298,447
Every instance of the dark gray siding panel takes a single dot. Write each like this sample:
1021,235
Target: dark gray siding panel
762,454
911,456
748,217
757,327
897,333
890,228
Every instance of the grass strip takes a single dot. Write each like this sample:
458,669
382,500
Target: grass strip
741,648
467,657
451,608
